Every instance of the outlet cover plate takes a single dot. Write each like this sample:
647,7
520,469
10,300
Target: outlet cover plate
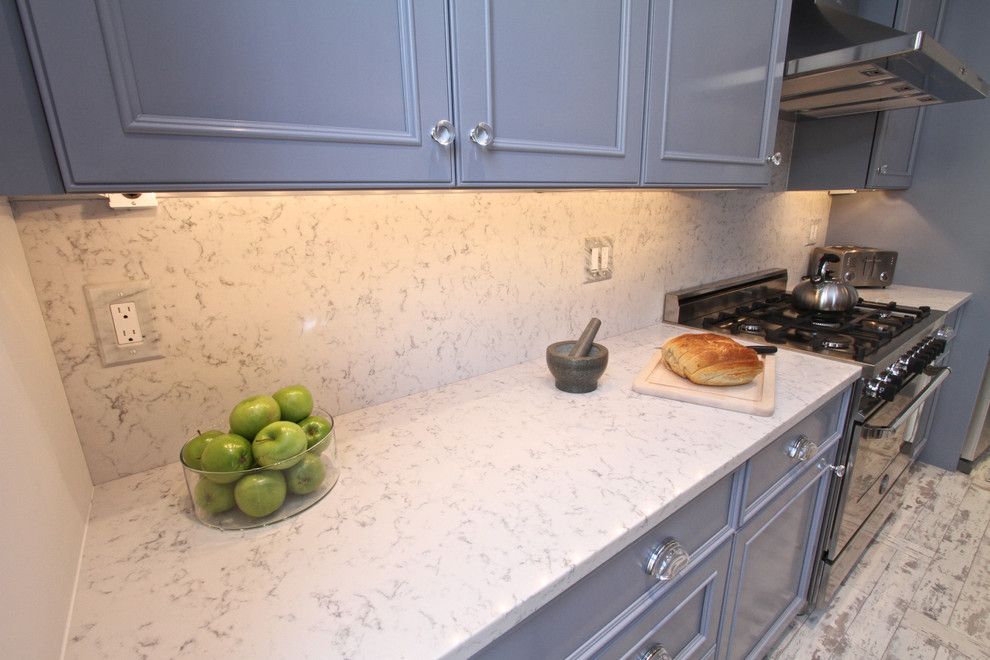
99,298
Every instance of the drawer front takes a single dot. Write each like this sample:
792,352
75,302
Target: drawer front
578,614
684,620
772,468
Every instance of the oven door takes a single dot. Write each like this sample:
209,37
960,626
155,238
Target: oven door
883,448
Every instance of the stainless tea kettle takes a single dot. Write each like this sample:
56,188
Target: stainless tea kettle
823,294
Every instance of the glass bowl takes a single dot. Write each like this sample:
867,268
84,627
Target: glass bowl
264,495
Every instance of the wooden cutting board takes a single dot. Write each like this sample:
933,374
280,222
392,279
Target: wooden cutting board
756,397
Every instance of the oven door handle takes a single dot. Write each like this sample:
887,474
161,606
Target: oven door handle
938,374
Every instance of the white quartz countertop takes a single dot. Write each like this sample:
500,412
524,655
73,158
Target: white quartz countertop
459,511
914,296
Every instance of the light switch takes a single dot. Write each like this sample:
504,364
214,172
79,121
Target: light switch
598,259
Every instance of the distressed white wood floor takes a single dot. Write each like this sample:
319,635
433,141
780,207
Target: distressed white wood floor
922,590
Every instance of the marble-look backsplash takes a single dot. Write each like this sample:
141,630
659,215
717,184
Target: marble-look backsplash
367,297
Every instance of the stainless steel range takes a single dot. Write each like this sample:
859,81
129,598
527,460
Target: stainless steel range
900,350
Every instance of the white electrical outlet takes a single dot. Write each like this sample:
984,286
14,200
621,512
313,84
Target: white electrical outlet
812,233
598,259
126,323
123,321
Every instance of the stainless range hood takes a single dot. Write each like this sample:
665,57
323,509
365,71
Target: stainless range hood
841,64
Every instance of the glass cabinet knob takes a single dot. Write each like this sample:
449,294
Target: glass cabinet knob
443,133
775,158
482,134
801,448
668,561
657,652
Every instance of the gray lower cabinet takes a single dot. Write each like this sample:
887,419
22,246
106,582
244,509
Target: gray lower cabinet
720,577
549,93
233,94
772,561
682,622
615,601
873,150
713,91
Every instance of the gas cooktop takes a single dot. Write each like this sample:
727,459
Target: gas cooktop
857,334
757,306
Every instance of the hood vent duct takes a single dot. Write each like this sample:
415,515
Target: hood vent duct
841,64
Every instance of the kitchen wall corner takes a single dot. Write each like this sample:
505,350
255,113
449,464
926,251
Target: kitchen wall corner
367,297
44,484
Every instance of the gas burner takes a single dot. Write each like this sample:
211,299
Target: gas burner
752,327
871,325
824,323
837,343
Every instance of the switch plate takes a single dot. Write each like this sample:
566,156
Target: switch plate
124,321
599,257
812,232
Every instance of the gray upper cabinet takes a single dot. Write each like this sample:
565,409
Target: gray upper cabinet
715,73
896,141
873,150
549,93
242,93
27,159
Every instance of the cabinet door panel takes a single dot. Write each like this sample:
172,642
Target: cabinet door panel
771,566
241,94
560,84
896,143
713,93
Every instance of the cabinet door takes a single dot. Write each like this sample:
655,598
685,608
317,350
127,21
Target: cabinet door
713,91
559,85
244,93
895,143
27,159
771,567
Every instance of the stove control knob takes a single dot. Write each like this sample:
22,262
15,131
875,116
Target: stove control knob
888,389
940,345
895,376
872,388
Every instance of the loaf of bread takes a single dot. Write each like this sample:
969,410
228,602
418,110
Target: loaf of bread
709,359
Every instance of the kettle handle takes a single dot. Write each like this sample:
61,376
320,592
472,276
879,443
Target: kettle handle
823,266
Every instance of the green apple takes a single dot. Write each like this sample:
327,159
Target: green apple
295,402
213,497
253,414
306,476
260,493
316,428
226,453
277,443
192,451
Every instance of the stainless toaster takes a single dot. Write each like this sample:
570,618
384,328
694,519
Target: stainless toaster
859,266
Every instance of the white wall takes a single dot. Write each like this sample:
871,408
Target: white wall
941,225
45,488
